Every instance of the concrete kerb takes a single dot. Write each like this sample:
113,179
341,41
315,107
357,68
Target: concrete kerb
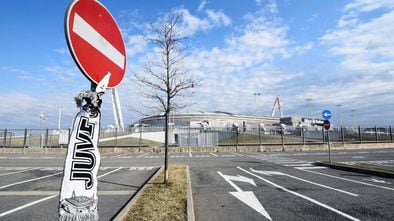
122,214
355,168
189,201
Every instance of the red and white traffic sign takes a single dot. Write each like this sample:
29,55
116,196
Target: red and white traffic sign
326,124
95,41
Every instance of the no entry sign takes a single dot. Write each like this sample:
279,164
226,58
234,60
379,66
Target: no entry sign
95,41
326,124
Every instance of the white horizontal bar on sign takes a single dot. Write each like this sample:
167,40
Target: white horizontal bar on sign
95,39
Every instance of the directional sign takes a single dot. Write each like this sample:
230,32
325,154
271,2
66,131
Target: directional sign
326,114
326,124
95,41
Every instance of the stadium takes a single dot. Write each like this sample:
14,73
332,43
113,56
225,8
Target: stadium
217,119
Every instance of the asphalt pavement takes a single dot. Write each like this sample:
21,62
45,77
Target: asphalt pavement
226,186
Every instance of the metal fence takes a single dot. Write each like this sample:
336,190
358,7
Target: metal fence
204,137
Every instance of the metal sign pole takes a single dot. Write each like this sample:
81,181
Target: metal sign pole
329,148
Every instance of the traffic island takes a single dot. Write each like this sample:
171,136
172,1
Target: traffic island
359,168
159,201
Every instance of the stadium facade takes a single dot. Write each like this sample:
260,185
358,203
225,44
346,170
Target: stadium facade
209,119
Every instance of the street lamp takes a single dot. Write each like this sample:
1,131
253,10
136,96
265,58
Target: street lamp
339,114
42,118
308,103
353,115
257,102
60,115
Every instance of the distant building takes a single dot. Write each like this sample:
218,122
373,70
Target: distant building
301,121
210,119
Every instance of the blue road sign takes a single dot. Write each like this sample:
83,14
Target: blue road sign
326,114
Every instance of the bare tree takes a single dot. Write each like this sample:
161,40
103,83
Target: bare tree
165,79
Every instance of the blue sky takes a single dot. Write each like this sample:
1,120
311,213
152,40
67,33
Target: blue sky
335,52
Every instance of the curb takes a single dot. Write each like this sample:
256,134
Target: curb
189,201
123,212
355,169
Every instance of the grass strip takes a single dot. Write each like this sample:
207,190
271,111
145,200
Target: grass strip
162,201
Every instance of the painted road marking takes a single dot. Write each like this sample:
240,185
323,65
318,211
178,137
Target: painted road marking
95,39
50,193
302,196
105,174
247,197
117,156
238,154
142,155
307,181
21,171
350,180
30,180
213,154
190,154
27,205
300,165
310,168
44,199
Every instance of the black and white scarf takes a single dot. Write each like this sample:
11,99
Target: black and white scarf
78,194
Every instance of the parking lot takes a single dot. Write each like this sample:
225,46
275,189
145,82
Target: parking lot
226,186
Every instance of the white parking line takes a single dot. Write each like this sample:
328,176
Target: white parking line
307,181
46,198
302,196
105,174
350,180
4,174
27,205
298,165
26,181
116,156
142,155
214,154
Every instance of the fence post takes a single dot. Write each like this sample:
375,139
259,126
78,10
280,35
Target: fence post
236,140
376,134
116,137
343,135
189,138
391,135
259,134
25,138
5,138
140,140
359,134
46,138
281,137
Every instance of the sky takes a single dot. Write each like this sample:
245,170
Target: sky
338,54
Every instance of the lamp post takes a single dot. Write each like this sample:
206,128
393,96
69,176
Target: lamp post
308,103
60,116
257,102
353,116
42,118
339,115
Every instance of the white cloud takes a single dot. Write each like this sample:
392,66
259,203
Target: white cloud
367,47
368,5
192,24
218,18
202,5
135,44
